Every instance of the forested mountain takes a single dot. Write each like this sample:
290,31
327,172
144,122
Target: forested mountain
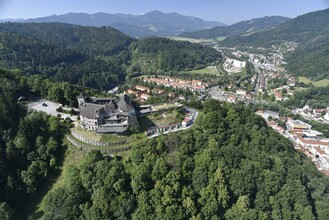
90,56
230,165
240,28
154,23
310,31
89,40
33,56
151,54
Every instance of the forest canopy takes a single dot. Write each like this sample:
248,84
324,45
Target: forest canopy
230,165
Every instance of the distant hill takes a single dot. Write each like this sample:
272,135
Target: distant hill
90,40
91,56
310,31
154,23
151,54
240,28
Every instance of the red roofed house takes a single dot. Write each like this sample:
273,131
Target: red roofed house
186,122
145,96
142,88
278,96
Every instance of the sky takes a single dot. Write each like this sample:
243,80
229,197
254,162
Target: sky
226,11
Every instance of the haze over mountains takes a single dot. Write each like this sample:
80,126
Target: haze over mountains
242,27
154,23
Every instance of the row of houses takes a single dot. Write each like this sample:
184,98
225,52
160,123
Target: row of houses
192,85
143,93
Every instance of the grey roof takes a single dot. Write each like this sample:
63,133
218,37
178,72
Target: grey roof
112,106
125,104
89,110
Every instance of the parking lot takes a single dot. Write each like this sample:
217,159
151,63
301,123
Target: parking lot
49,107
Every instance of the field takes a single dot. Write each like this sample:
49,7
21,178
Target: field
164,107
320,83
220,38
192,40
208,70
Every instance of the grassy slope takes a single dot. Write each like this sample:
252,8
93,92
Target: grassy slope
72,157
208,70
319,83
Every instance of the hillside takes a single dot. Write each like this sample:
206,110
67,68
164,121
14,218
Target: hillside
152,54
154,23
103,41
230,165
240,28
310,31
31,146
90,56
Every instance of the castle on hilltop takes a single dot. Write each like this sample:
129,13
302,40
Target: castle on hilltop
107,115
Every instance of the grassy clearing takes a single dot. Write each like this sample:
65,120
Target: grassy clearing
192,40
164,107
320,83
73,157
220,38
300,89
34,206
208,70
98,137
88,134
166,118
112,138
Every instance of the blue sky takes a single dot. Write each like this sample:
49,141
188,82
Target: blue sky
227,11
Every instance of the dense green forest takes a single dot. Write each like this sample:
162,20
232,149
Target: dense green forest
95,57
316,97
311,59
30,148
33,56
310,31
92,41
230,165
240,28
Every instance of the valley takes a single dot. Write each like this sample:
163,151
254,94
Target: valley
160,116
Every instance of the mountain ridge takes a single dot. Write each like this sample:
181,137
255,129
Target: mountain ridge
153,23
242,27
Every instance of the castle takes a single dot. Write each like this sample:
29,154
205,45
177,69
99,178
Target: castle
107,115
